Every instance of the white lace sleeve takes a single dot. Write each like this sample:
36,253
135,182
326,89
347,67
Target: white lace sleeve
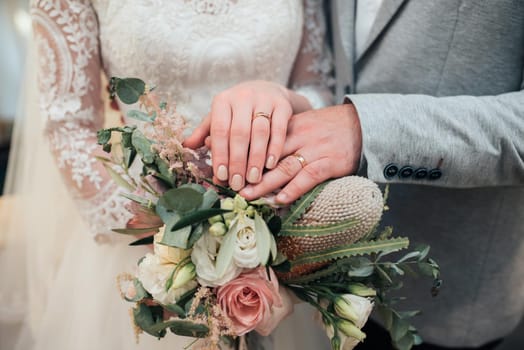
312,75
66,35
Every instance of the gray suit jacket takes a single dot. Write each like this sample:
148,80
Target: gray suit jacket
439,93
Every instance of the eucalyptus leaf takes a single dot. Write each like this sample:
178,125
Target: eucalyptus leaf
143,147
103,136
225,254
188,329
196,233
145,319
406,342
129,90
163,169
176,309
387,316
209,199
181,199
178,238
139,115
399,328
197,187
127,139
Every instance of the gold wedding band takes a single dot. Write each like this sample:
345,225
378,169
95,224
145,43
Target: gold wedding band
263,115
301,159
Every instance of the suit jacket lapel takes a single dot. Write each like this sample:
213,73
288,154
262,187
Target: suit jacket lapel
387,11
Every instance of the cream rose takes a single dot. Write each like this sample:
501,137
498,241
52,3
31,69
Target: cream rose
154,272
204,256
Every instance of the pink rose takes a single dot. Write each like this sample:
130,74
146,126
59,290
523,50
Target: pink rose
252,301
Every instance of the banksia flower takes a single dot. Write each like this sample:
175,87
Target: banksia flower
350,197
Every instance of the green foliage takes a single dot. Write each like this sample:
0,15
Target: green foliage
321,230
141,116
128,90
353,249
300,206
225,254
143,147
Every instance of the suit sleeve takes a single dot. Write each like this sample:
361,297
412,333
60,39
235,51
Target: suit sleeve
459,141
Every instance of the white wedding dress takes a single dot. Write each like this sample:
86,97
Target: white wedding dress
59,260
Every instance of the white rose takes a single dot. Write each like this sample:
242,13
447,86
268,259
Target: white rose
204,256
246,254
153,272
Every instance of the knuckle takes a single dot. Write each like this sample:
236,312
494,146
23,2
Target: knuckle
316,173
219,131
287,167
219,99
240,133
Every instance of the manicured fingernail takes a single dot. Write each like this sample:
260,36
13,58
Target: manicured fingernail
222,173
252,176
282,197
236,182
270,163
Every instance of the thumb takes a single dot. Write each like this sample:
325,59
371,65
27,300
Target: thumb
198,137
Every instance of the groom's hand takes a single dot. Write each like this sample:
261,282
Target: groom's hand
320,144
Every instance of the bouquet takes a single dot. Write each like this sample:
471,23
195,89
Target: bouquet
222,267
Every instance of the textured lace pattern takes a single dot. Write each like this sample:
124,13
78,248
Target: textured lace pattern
190,49
66,34
313,74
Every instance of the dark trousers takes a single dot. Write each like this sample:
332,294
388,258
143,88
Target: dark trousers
377,338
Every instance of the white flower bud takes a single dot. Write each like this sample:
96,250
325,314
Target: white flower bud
215,219
184,275
227,204
240,203
218,229
344,309
349,329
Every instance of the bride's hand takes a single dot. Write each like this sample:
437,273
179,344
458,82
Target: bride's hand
247,126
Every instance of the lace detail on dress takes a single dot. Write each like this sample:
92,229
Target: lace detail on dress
65,54
66,35
211,7
313,73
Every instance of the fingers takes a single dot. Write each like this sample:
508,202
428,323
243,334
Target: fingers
219,130
239,138
310,176
286,169
198,137
279,122
260,133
